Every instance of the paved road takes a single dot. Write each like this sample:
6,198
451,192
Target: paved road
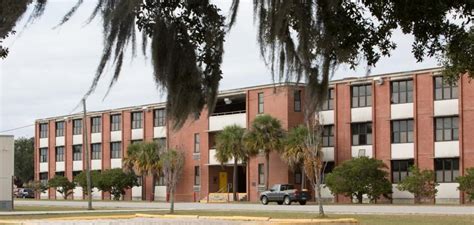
336,209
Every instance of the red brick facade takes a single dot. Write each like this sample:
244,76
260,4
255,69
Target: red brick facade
279,103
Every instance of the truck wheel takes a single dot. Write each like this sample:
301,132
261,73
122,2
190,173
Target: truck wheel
302,202
264,200
280,203
287,200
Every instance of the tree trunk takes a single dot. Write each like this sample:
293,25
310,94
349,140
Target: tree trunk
267,172
172,201
303,178
234,185
318,189
152,198
359,198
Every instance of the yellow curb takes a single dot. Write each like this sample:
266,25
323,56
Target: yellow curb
291,220
149,215
93,217
10,222
235,218
181,216
342,220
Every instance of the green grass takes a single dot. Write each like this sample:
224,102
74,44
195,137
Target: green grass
363,219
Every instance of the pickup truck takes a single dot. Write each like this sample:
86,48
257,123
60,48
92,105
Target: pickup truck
284,194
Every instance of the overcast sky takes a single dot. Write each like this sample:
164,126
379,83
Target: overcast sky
48,70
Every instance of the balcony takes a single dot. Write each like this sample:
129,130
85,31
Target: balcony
219,121
213,160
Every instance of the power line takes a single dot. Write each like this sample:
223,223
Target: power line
16,128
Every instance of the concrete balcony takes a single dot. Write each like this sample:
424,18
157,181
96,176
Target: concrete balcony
137,134
115,163
159,132
401,111
403,151
446,149
326,117
77,166
60,166
96,137
363,114
213,160
446,107
77,139
219,121
60,141
96,164
43,167
43,142
362,150
116,136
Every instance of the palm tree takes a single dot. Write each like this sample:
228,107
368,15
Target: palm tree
265,135
230,145
143,158
295,148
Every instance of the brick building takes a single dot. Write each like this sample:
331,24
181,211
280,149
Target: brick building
401,118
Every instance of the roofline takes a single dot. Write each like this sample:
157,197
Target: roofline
243,90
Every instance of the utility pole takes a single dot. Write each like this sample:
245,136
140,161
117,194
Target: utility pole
86,148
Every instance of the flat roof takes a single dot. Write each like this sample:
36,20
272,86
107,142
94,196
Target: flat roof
237,91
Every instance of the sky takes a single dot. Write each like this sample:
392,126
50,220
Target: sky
48,70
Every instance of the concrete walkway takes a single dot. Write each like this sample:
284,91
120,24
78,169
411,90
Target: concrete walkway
330,209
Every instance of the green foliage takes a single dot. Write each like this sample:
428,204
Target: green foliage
172,162
294,146
267,135
36,186
62,185
116,181
458,58
24,158
143,158
81,179
230,144
466,183
360,176
421,184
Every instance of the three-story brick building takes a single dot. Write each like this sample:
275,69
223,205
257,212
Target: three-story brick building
401,118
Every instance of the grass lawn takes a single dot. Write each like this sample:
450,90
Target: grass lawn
363,219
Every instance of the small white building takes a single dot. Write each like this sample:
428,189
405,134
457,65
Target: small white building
6,172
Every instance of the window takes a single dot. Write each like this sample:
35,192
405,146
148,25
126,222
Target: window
159,117
447,128
77,126
115,122
43,130
261,175
361,134
197,143
402,91
328,136
136,141
96,124
77,152
361,96
115,150
197,176
59,174
444,91
329,104
401,169
298,176
74,175
447,170
402,131
44,178
260,102
59,154
329,166
96,151
297,96
137,118
160,181
60,129
43,155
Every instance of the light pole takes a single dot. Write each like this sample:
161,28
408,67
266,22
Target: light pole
86,148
